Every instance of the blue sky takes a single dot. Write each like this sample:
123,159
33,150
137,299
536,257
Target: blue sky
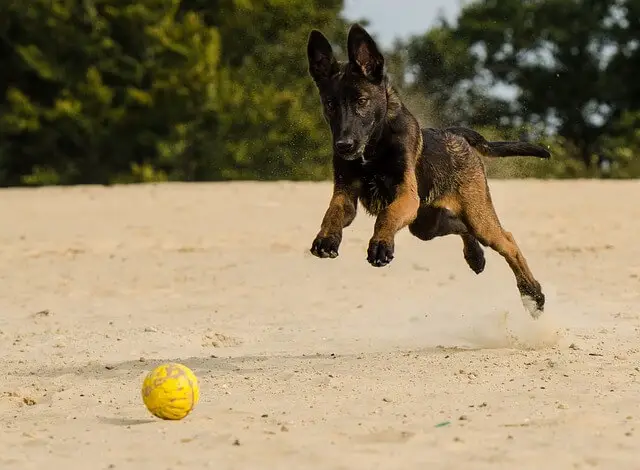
404,18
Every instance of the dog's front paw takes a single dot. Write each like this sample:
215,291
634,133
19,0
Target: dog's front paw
326,246
380,252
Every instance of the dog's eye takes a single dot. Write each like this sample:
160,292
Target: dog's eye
362,101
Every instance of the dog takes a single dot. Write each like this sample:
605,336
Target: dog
431,180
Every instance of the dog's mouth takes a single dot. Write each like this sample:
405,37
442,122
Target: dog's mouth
350,156
358,154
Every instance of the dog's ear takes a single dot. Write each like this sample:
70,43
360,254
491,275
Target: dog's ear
322,63
364,53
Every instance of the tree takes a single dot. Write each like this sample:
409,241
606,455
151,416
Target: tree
270,118
571,63
444,78
101,91
96,90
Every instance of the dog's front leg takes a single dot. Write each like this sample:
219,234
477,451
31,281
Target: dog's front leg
340,213
397,215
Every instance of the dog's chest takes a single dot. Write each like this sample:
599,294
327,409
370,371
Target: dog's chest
376,192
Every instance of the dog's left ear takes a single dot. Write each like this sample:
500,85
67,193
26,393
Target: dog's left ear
364,53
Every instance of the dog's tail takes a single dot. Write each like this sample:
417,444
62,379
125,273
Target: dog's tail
499,149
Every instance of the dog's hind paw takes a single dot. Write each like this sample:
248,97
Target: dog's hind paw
533,306
474,256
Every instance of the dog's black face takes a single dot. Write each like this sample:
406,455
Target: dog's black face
353,94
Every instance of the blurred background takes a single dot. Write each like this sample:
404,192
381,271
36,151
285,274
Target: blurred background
108,91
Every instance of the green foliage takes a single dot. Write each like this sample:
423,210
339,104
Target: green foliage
446,74
270,119
572,66
624,146
552,51
95,89
101,91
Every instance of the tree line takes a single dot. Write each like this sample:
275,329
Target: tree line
101,91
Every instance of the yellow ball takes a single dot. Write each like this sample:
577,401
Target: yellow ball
170,391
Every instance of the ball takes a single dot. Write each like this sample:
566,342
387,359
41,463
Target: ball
170,391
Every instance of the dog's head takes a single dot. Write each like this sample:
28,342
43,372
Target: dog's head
353,94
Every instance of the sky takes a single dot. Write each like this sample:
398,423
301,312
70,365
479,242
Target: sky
406,18
399,18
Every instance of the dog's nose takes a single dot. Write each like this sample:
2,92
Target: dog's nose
345,146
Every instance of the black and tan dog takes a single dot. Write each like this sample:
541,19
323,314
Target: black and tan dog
431,180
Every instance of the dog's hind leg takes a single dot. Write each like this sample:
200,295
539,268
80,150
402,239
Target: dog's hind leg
480,216
433,222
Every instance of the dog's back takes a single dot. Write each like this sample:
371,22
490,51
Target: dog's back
453,155
447,160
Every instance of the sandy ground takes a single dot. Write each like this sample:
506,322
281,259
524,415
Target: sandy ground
315,364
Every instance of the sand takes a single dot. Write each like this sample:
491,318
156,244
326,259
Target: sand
315,364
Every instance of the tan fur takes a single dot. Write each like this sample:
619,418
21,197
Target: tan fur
341,211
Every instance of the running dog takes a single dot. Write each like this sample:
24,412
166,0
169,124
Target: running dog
431,180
